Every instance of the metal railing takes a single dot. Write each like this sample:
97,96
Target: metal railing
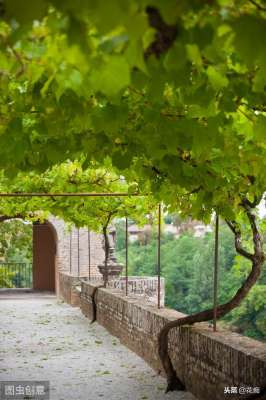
15,275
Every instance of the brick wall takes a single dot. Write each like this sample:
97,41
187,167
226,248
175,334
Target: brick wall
72,254
206,361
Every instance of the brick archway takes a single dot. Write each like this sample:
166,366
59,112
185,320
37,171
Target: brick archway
44,257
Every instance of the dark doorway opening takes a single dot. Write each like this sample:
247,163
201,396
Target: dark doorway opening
44,257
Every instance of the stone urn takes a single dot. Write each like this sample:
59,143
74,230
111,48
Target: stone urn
113,267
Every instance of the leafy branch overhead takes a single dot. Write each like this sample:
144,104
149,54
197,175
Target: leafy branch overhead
70,177
173,94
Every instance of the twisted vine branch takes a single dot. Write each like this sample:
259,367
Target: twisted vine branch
93,300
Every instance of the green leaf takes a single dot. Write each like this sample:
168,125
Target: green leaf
193,54
133,188
109,118
175,57
111,76
26,11
249,31
121,160
148,37
134,55
217,80
260,128
71,79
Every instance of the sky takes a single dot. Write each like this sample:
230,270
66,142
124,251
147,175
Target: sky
262,208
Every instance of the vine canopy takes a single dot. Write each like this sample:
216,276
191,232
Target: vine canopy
173,92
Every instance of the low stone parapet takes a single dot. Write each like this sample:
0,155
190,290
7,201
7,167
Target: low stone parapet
69,289
145,287
207,362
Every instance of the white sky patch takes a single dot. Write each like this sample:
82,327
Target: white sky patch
262,208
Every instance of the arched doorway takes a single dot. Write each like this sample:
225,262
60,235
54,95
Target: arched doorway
44,257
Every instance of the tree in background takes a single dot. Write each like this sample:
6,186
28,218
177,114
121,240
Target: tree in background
187,266
16,241
15,247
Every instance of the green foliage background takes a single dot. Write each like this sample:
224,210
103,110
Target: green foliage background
15,247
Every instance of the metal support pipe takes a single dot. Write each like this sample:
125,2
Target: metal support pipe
89,253
78,254
70,252
126,256
159,256
78,194
215,275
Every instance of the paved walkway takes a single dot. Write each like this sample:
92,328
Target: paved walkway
44,339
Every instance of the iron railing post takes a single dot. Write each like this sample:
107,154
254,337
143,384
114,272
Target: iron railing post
70,252
78,254
89,252
215,275
159,256
126,256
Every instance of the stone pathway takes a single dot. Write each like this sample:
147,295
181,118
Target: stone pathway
44,339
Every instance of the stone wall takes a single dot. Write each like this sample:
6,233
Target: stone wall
206,361
69,289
